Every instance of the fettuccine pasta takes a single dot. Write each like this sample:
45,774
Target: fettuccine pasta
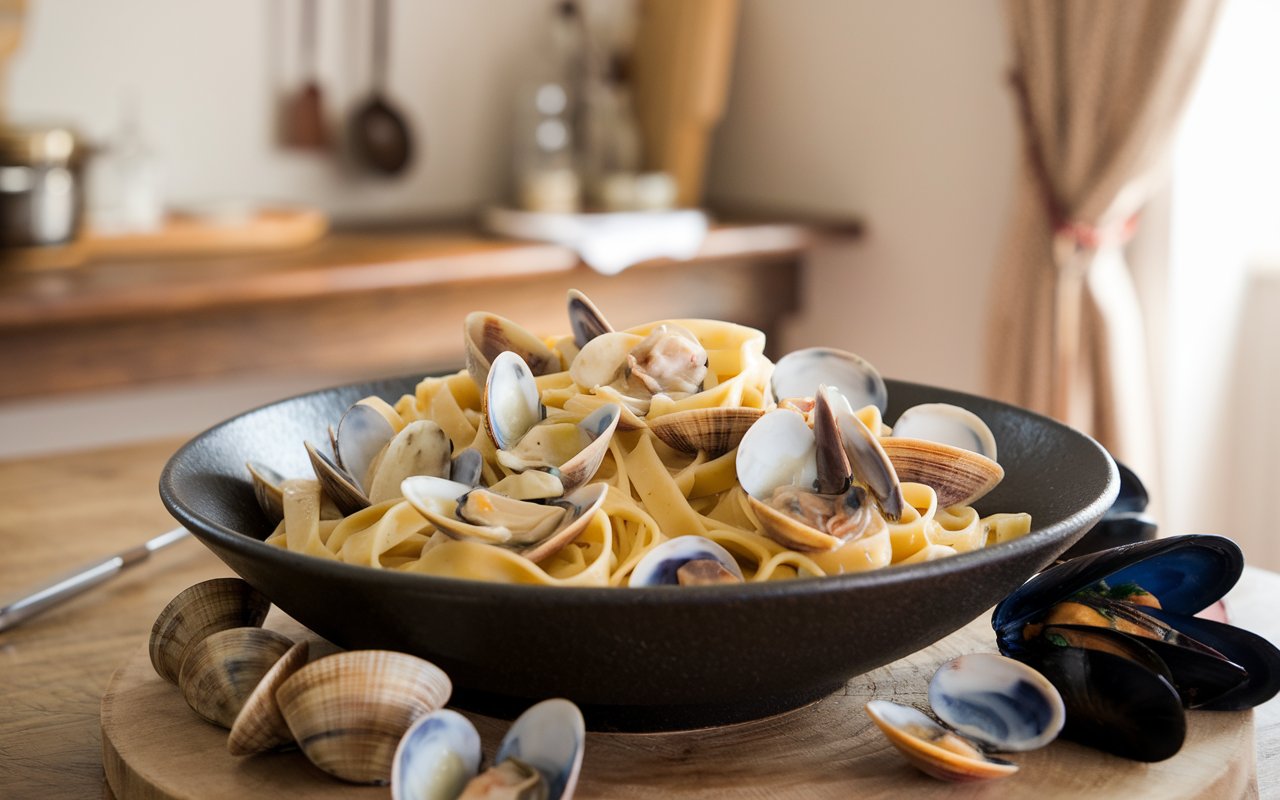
654,491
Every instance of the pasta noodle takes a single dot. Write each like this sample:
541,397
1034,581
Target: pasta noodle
655,492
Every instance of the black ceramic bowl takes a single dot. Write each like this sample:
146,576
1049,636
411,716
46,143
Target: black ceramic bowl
638,659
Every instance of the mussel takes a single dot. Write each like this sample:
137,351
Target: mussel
984,703
1126,522
1115,631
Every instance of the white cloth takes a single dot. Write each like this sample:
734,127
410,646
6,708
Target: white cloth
608,243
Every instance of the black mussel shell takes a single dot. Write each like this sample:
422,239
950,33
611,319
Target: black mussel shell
1114,531
1187,573
1256,655
1200,672
1133,496
1124,523
1114,703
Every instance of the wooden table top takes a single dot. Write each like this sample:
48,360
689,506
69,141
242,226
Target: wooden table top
61,511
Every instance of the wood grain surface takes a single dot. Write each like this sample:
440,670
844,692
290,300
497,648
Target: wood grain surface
63,510
155,748
369,304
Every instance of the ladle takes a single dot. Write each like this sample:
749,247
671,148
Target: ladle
379,133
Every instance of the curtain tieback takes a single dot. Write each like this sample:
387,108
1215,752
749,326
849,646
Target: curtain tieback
1085,236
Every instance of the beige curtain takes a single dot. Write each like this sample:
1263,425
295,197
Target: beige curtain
1100,85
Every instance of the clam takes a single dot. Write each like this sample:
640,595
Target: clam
798,375
539,758
266,488
1125,611
984,703
947,448
686,561
197,611
585,320
348,711
220,672
372,458
467,467
488,335
260,726
543,748
798,480
515,420
714,431
669,360
536,530
436,758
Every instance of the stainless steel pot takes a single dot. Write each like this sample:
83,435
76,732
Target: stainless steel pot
41,189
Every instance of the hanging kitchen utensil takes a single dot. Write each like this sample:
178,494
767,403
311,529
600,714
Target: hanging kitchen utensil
379,133
304,126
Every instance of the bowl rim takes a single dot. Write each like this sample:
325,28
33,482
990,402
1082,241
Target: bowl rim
749,592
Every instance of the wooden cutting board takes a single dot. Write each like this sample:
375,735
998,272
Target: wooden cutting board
156,747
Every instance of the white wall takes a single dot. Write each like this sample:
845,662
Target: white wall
206,77
897,112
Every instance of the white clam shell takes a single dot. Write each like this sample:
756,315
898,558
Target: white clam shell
585,320
511,402
436,758
550,737
799,373
777,450
923,742
947,424
362,435
659,566
998,701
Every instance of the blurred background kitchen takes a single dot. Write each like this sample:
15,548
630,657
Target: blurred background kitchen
280,195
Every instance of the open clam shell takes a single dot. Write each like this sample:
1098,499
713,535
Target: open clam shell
870,463
348,711
220,672
948,424
995,700
686,560
487,335
267,491
933,749
197,611
538,530
436,758
260,726
511,401
946,447
585,320
798,374
550,737
984,703
363,434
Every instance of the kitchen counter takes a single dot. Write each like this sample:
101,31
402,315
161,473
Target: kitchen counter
61,511
372,303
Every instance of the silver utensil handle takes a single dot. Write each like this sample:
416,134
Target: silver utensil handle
83,579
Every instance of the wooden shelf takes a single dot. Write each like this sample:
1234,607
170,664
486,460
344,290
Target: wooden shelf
375,301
